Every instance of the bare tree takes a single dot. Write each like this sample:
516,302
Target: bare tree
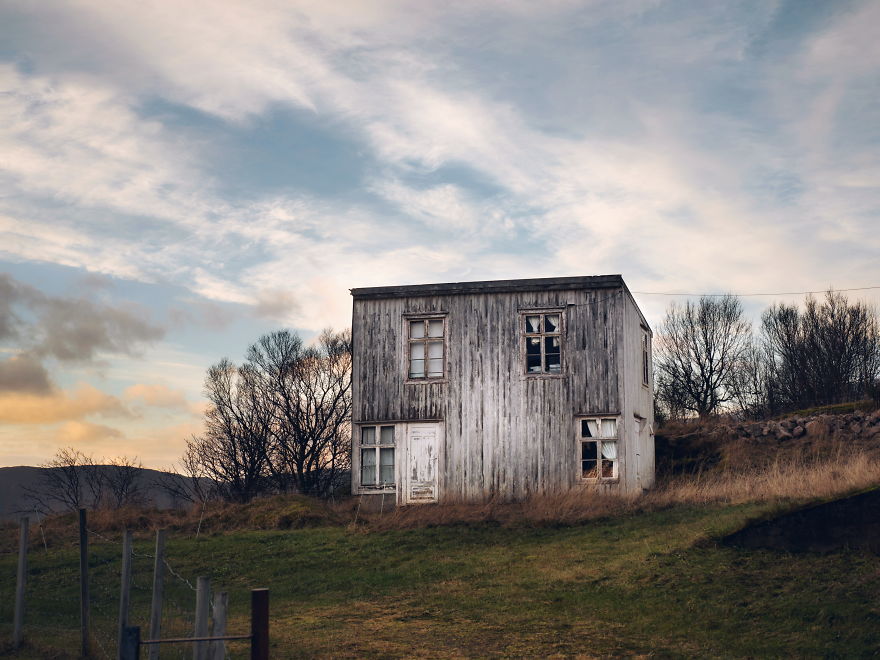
699,349
309,391
69,482
122,478
233,450
827,353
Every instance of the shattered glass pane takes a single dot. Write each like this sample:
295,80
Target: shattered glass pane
416,329
368,435
533,324
435,328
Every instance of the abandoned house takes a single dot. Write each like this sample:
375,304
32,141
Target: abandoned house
501,389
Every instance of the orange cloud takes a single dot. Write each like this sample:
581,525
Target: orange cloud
85,435
59,406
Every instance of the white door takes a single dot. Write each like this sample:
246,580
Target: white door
421,463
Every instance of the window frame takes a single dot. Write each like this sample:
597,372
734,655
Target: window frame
407,349
376,446
598,441
523,335
646,359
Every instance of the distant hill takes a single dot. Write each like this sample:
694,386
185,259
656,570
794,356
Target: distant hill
15,482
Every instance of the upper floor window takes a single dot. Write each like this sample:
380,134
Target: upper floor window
427,347
645,359
542,334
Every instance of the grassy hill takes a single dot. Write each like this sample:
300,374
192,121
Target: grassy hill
575,575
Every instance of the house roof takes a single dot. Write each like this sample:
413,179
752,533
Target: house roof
492,286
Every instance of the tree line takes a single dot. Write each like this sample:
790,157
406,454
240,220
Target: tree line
708,358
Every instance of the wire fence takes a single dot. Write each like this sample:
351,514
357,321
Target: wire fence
53,618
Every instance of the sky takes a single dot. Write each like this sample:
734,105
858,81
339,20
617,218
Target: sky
177,179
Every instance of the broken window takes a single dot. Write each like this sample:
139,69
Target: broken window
377,456
542,334
598,447
427,348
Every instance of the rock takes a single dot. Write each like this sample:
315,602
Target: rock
782,434
856,428
798,431
813,427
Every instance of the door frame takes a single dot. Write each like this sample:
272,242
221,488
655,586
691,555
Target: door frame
403,492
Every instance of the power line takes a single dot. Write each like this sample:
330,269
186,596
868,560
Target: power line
750,295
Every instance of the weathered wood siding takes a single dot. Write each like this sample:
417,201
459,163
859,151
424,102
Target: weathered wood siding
637,470
507,435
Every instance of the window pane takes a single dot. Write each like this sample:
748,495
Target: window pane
435,328
533,346
368,467
435,349
435,367
609,428
609,460
533,364
387,435
416,368
417,350
585,429
386,466
551,323
552,363
368,435
594,428
416,329
533,324
589,460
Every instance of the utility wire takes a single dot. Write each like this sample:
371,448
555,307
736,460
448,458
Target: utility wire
750,295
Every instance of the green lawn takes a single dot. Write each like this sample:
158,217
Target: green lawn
646,584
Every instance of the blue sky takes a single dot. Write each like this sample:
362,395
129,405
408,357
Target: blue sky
178,178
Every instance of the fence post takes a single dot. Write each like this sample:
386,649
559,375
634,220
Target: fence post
124,590
203,597
260,624
158,586
218,617
20,584
83,583
130,643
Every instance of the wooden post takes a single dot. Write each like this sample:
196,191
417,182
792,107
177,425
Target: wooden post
124,590
260,624
158,586
203,597
20,584
130,643
218,617
83,584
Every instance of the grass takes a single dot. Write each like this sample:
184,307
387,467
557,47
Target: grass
561,576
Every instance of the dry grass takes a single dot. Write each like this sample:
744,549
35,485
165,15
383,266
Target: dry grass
805,478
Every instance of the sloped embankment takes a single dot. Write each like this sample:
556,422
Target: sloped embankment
851,523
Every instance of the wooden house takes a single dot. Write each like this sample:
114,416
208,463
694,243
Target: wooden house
501,389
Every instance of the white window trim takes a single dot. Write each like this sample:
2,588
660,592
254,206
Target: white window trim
428,316
376,488
598,440
524,361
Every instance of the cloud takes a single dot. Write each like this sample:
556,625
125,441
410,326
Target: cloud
86,435
25,374
73,329
59,405
157,396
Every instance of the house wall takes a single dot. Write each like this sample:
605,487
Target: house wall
507,435
638,401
